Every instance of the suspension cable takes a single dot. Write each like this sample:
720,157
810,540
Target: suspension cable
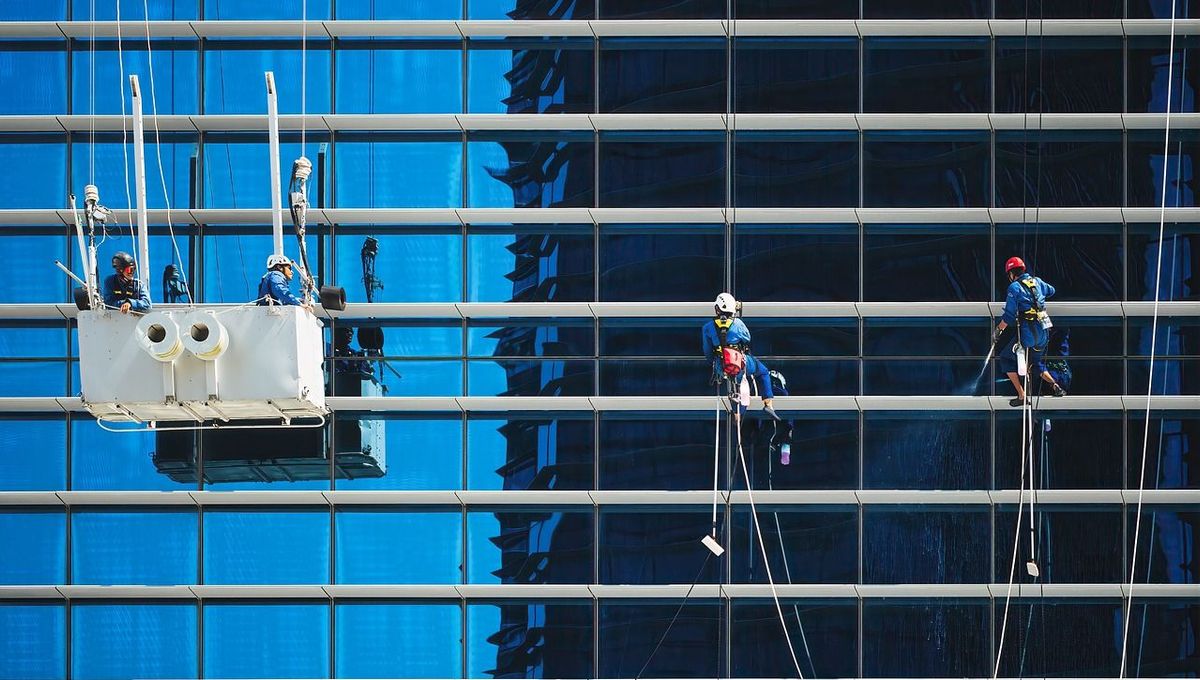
129,218
92,94
303,74
1162,219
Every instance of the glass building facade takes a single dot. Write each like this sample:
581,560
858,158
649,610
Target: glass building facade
531,205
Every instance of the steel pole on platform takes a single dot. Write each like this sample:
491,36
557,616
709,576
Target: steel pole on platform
139,172
273,143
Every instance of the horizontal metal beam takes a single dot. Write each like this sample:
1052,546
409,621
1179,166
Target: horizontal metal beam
705,405
633,593
567,500
502,311
600,28
551,122
366,217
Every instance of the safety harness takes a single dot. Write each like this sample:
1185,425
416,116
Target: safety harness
1036,312
732,356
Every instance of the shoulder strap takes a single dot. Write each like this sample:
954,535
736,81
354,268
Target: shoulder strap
723,325
1031,285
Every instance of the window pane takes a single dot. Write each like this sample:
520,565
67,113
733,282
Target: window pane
646,170
668,451
938,639
824,451
926,9
234,262
1058,75
531,378
898,540
794,9
132,10
768,257
397,640
32,379
34,642
508,76
1075,544
386,9
1169,440
518,10
424,452
399,76
372,545
133,640
662,9
1072,450
913,75
543,546
532,338
175,75
22,472
497,635
261,547
654,547
1056,169
653,377
39,95
267,640
1173,280
33,170
35,545
925,170
1064,9
531,264
51,10
638,264
104,164
552,451
796,75
236,171
1075,638
1146,162
817,169
1083,262
1167,533
925,450
525,170
824,634
116,461
396,170
664,75
814,544
233,73
629,632
37,284
1147,69
935,262
133,548
1161,639
413,265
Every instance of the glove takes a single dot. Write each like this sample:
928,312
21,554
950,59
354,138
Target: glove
996,336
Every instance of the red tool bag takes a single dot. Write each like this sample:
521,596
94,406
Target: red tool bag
732,361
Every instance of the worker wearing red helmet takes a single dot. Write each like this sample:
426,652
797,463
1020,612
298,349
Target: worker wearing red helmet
1025,306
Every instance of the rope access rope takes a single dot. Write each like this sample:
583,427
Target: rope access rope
1162,219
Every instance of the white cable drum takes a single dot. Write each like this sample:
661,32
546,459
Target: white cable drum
158,335
204,336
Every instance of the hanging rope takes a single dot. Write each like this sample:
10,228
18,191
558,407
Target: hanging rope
92,93
1162,220
129,218
303,75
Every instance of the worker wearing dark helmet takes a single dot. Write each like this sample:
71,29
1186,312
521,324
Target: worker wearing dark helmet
1025,307
274,288
122,290
726,342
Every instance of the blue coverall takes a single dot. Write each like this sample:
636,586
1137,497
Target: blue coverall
738,334
118,291
274,285
1032,336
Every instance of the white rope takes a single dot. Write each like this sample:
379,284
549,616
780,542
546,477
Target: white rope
1162,219
162,176
303,74
129,218
763,549
716,463
1012,567
92,94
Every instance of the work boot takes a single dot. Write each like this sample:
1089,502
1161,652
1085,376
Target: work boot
1016,402
1058,390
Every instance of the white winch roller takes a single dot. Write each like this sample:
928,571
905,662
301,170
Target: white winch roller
204,336
158,335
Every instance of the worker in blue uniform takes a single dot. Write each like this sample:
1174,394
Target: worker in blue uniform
1025,308
122,290
274,289
726,342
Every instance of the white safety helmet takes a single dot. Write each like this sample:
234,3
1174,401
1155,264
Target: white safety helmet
727,304
274,261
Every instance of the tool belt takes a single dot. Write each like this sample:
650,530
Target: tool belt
733,361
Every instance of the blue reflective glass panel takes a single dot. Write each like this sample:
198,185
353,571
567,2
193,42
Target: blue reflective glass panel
375,546
397,640
1074,544
51,10
21,471
532,338
399,76
266,640
1063,638
824,451
1170,440
237,173
647,337
116,461
1146,166
926,451
925,170
285,9
33,168
936,639
399,171
1167,537
795,75
254,547
531,171
413,265
655,546
914,75
1147,66
817,169
935,262
39,95
110,166
1071,450
424,453
531,264
639,264
646,170
34,642
824,634
664,75
794,9
387,9
233,75
519,378
175,78
1082,262
32,340
661,9
1067,9
768,257
1163,636
898,540
34,548
234,263
815,544
517,9
917,377
32,379
407,338
37,284
1177,278
899,337
926,9
525,546
497,635
630,631
543,75
133,640
654,377
133,10
1058,74
667,451
133,548
554,451
1059,169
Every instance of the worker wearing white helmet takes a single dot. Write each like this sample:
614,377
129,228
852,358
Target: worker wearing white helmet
273,288
726,342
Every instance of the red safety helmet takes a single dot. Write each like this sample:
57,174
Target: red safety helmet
1013,263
